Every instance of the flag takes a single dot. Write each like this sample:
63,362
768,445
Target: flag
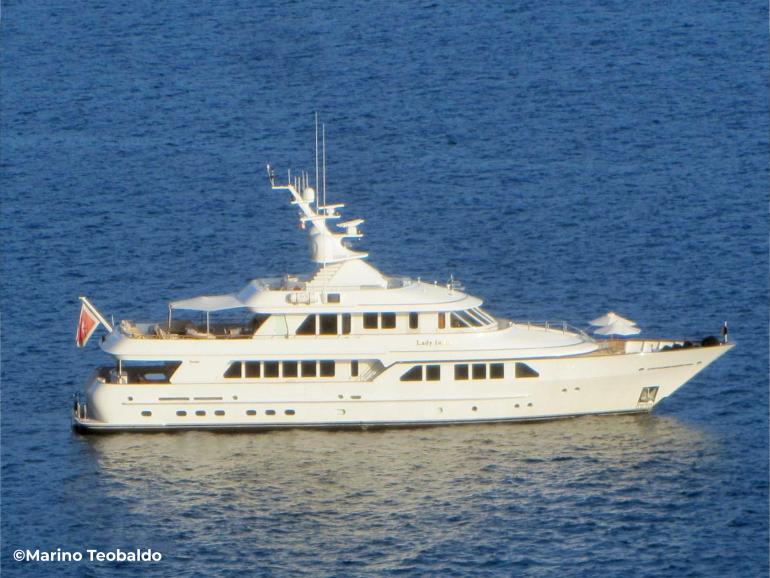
87,324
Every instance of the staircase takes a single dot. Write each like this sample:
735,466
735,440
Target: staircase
325,274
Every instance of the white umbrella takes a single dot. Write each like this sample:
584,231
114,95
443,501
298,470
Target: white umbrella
611,318
618,328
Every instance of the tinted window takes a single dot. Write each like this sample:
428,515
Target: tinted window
219,412
290,369
271,369
370,321
326,368
333,298
455,321
414,374
308,369
181,413
433,372
479,371
496,371
307,327
461,371
251,412
234,370
200,412
269,412
346,323
441,321
414,320
328,324
289,412
252,368
388,320
524,370
354,368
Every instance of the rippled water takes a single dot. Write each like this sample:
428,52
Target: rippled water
560,160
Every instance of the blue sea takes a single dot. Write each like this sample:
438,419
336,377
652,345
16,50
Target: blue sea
560,159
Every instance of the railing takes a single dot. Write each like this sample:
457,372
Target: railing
556,326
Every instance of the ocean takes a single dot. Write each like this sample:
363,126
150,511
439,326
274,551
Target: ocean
559,159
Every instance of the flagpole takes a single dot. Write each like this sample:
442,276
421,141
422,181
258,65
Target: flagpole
96,313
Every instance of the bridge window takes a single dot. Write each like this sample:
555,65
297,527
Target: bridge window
524,370
253,368
271,369
234,371
308,326
414,374
328,324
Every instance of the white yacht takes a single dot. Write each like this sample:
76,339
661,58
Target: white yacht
348,346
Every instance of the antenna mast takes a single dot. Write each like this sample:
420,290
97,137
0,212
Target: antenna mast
323,140
316,159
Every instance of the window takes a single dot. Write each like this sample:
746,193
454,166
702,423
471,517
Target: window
496,371
469,319
251,412
479,371
414,374
181,413
441,321
328,324
234,371
455,321
290,369
648,394
333,298
307,327
326,368
354,368
219,412
524,370
308,369
414,320
269,412
461,371
200,412
388,320
252,368
474,315
146,413
271,369
433,372
289,412
346,323
370,321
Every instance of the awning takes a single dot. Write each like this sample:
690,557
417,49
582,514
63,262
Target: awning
618,328
611,318
208,303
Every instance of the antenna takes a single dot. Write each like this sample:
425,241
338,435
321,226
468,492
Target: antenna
323,140
316,160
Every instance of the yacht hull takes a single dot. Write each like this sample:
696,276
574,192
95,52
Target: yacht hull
565,387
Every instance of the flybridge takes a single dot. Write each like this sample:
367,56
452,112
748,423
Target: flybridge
326,246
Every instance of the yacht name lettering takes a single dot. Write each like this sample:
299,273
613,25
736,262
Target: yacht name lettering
430,342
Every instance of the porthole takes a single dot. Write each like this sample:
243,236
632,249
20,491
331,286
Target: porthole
516,406
130,398
181,413
270,412
200,412
146,413
251,412
219,412
474,408
289,412
529,405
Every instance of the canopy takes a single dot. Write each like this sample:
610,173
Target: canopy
208,303
611,318
618,328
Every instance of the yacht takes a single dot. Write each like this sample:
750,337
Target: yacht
348,346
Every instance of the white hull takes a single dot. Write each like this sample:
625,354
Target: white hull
566,387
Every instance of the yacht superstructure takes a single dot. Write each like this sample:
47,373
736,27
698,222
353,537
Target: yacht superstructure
351,347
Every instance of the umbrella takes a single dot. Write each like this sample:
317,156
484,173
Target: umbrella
618,328
611,318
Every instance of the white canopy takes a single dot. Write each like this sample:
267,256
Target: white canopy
618,328
611,318
208,303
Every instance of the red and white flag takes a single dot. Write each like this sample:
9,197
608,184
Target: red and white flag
86,326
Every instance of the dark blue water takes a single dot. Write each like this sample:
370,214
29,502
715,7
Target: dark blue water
559,159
